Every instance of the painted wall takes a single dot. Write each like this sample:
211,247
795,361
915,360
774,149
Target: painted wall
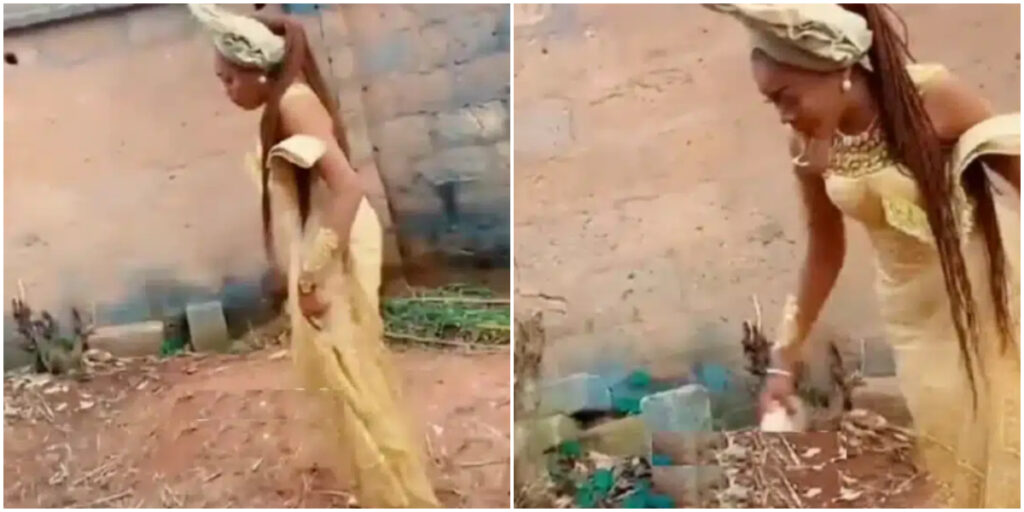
653,187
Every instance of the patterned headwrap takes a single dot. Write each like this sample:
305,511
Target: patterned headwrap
818,37
240,39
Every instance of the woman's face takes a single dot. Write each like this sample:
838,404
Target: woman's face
243,86
809,101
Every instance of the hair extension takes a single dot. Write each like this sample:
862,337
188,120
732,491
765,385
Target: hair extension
913,140
298,62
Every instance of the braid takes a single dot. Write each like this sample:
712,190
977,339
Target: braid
913,140
298,62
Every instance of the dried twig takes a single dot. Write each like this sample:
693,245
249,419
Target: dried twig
109,499
483,463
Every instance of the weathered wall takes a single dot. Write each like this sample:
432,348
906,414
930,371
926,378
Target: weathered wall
435,90
653,189
124,183
123,162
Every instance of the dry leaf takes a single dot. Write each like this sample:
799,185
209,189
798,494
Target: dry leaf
85,405
847,494
811,452
280,354
60,407
812,492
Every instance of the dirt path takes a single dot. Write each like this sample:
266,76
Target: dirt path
231,431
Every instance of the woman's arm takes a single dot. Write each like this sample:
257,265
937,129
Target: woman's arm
954,108
823,260
304,114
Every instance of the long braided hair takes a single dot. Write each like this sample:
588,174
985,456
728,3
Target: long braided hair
913,140
298,63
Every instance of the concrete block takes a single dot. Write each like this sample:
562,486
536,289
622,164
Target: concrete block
482,79
359,144
572,394
130,340
433,46
541,434
472,125
406,135
689,486
393,53
350,104
684,409
877,358
503,148
457,164
371,22
473,35
544,129
419,92
625,437
207,327
342,63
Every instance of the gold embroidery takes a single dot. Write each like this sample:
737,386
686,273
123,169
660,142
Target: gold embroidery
325,246
868,153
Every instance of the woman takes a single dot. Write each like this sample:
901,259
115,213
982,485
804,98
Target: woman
903,149
321,232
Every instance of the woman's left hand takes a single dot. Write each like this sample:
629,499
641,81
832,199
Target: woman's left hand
312,307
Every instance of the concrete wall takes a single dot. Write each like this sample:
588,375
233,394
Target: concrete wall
123,175
653,188
435,90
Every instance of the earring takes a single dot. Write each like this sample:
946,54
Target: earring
847,84
262,79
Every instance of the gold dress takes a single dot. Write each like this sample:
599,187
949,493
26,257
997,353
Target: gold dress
344,364
974,457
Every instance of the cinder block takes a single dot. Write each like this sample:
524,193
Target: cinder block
684,409
457,164
359,145
371,22
432,49
625,437
406,135
538,435
473,35
342,63
572,394
472,125
207,327
483,79
876,358
393,53
419,92
130,340
350,103
503,148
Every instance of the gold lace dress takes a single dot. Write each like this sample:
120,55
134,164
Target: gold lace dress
974,457
344,364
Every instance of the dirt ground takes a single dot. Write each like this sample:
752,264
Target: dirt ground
231,431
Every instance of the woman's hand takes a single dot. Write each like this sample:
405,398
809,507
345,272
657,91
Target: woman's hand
311,305
778,389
